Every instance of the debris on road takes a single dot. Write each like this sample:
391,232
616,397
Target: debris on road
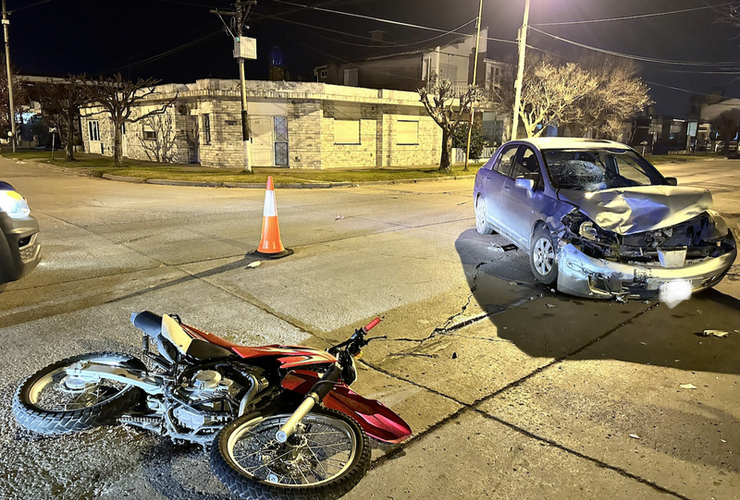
497,248
688,386
339,217
255,263
550,306
513,283
454,355
643,343
634,436
715,333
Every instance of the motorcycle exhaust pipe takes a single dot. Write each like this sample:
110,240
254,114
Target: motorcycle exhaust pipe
317,393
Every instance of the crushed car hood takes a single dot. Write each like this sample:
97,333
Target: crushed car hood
641,208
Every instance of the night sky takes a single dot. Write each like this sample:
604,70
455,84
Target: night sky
180,41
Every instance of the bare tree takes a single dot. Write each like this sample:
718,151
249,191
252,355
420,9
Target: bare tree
439,101
547,92
158,137
728,125
62,100
118,97
619,95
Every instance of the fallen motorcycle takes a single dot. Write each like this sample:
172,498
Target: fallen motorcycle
281,421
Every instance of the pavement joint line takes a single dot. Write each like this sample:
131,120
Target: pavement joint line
258,304
475,406
580,455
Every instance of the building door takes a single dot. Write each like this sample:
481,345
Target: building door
192,138
261,131
93,129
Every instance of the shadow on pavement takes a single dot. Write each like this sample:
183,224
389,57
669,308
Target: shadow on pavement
555,325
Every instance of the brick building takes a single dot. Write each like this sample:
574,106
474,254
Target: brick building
292,124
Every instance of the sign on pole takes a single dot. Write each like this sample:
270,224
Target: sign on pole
245,47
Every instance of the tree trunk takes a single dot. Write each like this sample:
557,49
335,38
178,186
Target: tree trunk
70,135
117,154
444,161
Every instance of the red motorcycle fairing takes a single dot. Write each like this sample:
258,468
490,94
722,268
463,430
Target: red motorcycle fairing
376,419
288,356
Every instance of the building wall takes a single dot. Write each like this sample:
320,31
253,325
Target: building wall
312,111
304,134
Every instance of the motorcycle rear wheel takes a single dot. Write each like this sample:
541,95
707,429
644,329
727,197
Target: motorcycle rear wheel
52,402
323,461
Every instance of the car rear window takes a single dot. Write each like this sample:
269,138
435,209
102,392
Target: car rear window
598,169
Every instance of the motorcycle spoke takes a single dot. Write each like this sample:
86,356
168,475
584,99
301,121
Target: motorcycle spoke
321,451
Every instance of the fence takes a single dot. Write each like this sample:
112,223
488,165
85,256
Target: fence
458,154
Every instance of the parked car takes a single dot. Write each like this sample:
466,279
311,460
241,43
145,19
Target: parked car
20,251
599,220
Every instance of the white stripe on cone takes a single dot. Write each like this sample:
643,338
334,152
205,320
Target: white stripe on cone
270,207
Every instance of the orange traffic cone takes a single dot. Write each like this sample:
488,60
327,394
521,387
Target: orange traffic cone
270,245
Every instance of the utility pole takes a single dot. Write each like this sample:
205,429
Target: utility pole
520,70
244,48
6,22
475,74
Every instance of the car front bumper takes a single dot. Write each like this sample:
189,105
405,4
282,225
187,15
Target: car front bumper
584,276
20,250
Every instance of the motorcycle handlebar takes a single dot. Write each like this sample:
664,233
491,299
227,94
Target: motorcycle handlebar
372,324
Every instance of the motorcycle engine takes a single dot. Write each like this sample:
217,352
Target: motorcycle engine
207,391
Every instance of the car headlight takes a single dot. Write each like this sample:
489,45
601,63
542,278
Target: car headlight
13,204
579,224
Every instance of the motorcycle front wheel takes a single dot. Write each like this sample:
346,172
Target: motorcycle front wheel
325,459
53,402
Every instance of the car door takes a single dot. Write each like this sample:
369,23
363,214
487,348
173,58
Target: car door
493,182
518,207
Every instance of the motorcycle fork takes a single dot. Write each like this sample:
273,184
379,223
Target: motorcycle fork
314,396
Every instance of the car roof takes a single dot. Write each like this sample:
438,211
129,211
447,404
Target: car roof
572,143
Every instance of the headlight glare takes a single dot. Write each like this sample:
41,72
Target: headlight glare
13,204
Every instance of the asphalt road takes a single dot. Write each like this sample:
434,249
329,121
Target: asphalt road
512,391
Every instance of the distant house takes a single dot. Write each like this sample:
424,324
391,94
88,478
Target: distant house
384,65
292,124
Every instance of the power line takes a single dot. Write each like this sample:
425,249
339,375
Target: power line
371,18
28,6
634,56
165,53
636,16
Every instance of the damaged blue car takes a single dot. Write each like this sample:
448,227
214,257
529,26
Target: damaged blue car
599,220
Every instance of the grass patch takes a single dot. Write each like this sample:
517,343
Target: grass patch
97,166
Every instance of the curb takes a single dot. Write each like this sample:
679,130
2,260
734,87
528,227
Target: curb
247,185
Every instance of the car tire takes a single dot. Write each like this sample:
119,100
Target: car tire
481,223
542,259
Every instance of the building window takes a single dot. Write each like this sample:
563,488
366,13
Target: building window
94,129
407,132
150,135
346,131
324,73
207,128
231,122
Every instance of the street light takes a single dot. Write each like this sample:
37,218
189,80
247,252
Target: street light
520,70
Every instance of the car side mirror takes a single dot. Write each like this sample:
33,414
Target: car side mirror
672,181
526,184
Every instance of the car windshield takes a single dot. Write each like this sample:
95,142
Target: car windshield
598,169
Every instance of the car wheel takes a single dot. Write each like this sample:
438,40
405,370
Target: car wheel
542,257
481,224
